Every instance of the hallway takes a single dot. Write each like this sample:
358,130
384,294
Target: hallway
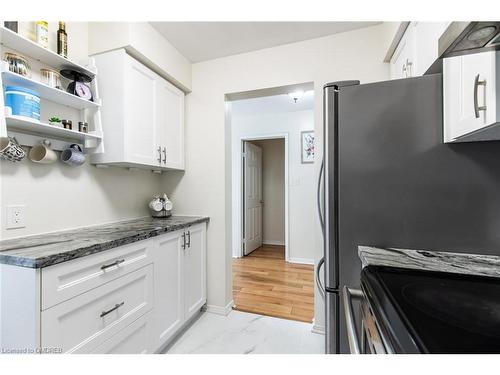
263,283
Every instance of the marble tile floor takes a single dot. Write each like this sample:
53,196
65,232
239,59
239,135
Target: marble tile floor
246,333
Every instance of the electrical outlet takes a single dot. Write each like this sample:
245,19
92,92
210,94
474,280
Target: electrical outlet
15,217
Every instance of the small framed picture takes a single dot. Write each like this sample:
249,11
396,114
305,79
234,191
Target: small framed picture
307,145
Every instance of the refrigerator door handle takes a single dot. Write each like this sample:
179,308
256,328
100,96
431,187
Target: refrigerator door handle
320,210
349,294
321,288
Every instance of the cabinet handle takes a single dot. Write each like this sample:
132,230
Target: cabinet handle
478,83
184,240
103,267
409,65
189,239
159,154
117,306
164,155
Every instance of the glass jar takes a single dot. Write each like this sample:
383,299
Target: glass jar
18,64
51,78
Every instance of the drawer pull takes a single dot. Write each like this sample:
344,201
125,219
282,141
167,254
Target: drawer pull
117,306
112,264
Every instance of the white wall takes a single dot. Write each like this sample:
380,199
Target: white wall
60,197
273,190
301,180
205,187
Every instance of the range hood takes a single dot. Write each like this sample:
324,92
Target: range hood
461,38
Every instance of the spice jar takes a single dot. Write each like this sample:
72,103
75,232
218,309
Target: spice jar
67,124
42,33
18,64
83,127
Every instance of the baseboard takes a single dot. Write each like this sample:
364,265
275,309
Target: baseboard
214,309
301,261
276,243
317,328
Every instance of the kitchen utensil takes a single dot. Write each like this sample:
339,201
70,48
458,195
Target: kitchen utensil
78,86
51,78
11,150
23,102
73,155
42,153
18,64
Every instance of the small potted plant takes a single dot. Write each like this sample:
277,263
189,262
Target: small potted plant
56,121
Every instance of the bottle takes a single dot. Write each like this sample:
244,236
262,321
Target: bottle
42,33
62,40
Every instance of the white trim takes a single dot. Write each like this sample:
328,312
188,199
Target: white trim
214,309
319,329
301,261
271,242
237,180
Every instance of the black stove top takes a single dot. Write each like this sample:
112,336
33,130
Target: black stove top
434,312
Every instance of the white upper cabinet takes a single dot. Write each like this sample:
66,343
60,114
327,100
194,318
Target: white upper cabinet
471,106
417,50
403,60
142,114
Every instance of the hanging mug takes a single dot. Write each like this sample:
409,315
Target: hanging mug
42,153
11,150
73,155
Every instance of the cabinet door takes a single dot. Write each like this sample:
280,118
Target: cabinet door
460,90
169,303
170,124
195,269
427,41
403,60
140,145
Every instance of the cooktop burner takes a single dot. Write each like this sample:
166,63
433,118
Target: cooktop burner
444,313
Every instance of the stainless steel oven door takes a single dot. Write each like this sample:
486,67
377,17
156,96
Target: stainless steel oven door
372,341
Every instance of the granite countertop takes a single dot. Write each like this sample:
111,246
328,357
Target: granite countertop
468,264
52,248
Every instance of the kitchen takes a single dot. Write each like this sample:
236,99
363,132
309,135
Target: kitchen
97,265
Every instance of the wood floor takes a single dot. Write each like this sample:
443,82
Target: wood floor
264,283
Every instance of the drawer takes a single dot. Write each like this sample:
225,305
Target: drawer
133,339
69,279
81,324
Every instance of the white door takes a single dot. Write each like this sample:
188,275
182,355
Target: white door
252,182
170,124
463,95
195,294
169,304
140,106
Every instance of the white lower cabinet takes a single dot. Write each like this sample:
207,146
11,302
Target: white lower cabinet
130,299
180,279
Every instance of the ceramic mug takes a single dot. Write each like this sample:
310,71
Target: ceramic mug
42,153
73,155
11,150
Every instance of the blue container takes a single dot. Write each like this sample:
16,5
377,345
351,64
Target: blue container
23,102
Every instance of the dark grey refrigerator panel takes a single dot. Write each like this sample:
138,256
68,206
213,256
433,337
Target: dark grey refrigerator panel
399,185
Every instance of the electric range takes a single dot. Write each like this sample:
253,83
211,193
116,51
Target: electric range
416,311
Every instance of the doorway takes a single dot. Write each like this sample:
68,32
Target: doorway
272,265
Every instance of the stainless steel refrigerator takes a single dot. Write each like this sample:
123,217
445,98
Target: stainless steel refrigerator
389,180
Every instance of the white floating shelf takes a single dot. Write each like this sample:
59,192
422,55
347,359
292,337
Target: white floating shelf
26,47
32,127
47,92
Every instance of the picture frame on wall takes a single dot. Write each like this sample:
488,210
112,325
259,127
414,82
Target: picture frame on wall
307,146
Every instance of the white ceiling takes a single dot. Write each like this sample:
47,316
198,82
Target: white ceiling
272,104
200,41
